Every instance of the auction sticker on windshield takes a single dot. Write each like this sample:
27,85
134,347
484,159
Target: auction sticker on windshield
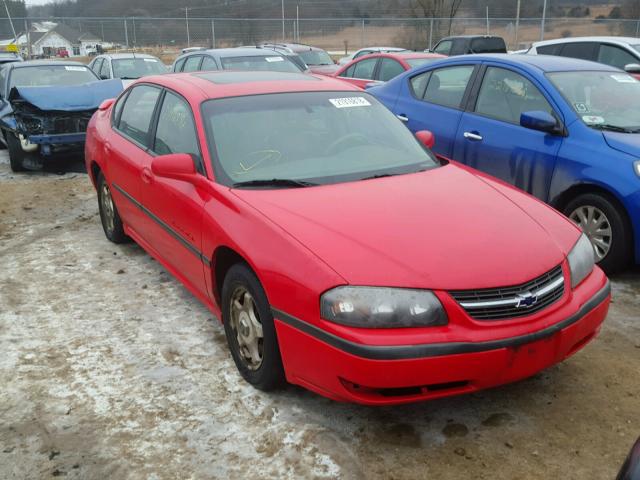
624,78
153,60
593,119
274,59
75,69
350,102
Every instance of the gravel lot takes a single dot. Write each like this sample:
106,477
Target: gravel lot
110,369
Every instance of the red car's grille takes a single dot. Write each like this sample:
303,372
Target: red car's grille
513,302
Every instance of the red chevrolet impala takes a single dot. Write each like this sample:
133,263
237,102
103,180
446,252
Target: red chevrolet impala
338,251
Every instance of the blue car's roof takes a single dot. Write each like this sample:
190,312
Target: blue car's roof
546,63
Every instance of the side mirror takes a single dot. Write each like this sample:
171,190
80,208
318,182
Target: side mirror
179,166
106,104
539,120
426,138
633,68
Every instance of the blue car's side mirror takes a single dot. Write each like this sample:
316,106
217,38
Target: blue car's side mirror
541,121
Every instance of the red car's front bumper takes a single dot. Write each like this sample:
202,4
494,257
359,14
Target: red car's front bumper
383,375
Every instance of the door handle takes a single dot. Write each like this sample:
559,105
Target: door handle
107,148
403,117
147,176
473,136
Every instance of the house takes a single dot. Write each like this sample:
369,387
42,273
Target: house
60,38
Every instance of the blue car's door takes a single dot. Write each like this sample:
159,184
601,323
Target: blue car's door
491,139
433,100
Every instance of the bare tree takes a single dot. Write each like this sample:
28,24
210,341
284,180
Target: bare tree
438,9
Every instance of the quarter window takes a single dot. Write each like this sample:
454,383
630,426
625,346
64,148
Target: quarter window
137,113
505,95
192,64
365,68
388,69
447,85
419,84
176,131
615,56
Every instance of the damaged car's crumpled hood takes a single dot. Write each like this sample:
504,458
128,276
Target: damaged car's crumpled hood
71,98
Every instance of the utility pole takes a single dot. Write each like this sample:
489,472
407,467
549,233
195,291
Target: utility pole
282,21
544,16
186,19
126,34
487,20
213,33
298,23
517,24
15,37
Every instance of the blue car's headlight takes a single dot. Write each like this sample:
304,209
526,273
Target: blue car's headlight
378,307
581,260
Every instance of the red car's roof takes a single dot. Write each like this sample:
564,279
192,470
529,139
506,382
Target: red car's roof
238,83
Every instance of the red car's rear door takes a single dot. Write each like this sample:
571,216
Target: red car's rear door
175,207
127,152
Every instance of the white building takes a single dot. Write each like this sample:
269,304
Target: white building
48,39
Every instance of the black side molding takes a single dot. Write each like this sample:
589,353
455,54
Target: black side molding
398,352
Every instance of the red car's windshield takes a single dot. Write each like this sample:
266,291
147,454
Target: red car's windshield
319,137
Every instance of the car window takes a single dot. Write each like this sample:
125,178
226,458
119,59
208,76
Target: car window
348,72
104,70
505,95
176,131
362,54
447,85
97,64
419,84
137,112
615,56
549,49
488,45
179,64
389,68
3,81
192,63
583,50
459,47
443,47
365,68
208,64
117,108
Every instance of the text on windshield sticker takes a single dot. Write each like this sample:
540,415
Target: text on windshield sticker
350,102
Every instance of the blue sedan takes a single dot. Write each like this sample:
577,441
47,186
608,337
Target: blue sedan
564,130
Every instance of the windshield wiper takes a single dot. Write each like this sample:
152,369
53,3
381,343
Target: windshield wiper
274,182
614,128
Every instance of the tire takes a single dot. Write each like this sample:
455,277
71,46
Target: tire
614,224
109,216
16,154
268,373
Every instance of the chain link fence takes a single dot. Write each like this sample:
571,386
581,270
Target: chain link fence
167,36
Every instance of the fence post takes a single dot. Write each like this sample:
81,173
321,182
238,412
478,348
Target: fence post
544,16
431,33
213,33
135,38
126,34
28,34
362,35
638,27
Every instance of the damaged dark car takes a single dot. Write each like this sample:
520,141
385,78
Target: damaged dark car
45,107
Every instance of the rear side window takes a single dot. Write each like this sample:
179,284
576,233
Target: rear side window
443,47
192,63
137,113
208,64
549,49
488,45
365,68
447,85
389,68
583,50
459,47
179,64
615,56
419,84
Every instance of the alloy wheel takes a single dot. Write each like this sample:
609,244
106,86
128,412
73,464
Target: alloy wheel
108,210
596,226
247,328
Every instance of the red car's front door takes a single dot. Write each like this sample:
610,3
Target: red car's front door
127,152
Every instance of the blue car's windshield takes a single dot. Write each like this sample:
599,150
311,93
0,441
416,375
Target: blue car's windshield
603,100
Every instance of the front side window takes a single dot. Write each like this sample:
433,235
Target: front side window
137,112
488,45
447,85
316,57
348,73
365,69
443,47
104,70
340,136
602,100
134,68
192,63
274,63
179,64
615,56
208,64
389,68
505,95
45,75
97,63
176,131
549,49
362,54
459,47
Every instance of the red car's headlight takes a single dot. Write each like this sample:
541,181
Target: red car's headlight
378,307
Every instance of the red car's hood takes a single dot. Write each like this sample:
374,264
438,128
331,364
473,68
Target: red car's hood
445,228
324,69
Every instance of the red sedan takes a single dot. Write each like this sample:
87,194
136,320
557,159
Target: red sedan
382,67
345,257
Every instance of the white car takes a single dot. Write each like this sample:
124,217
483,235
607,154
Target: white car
126,66
620,52
367,51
